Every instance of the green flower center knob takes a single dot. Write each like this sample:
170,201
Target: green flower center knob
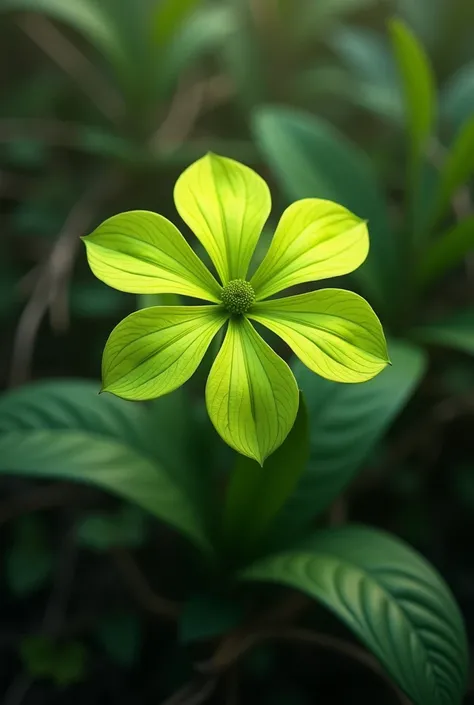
238,296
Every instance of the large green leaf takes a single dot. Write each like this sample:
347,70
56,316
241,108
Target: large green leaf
390,597
446,251
418,88
312,160
457,97
63,430
346,421
455,331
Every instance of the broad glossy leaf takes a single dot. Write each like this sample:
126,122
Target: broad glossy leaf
144,253
64,430
312,160
455,331
418,86
390,597
315,239
256,493
155,350
457,169
226,205
346,421
334,332
447,251
251,393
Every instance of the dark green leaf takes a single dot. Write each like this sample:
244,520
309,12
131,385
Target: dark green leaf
63,663
446,252
457,97
121,637
391,598
64,430
455,331
207,616
169,16
312,160
29,559
101,531
345,422
257,493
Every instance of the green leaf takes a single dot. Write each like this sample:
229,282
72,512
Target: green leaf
63,663
312,160
29,559
58,430
457,169
154,351
169,16
207,616
455,331
418,88
446,252
315,239
226,204
334,332
101,531
257,493
121,637
457,97
391,598
251,394
346,421
144,253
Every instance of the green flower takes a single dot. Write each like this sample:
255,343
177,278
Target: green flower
251,393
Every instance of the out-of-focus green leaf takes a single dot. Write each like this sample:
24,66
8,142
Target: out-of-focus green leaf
455,331
29,559
58,430
63,663
390,597
418,88
85,16
457,97
120,636
90,299
256,493
169,16
446,251
207,616
312,160
424,17
368,58
457,169
101,531
346,421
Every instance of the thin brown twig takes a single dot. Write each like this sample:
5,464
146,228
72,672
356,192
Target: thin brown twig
230,652
142,591
54,275
69,58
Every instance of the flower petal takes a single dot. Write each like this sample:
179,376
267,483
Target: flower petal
251,394
144,253
226,205
334,332
155,350
314,239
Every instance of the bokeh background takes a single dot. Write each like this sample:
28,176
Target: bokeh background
102,104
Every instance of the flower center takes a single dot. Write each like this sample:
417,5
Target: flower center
238,296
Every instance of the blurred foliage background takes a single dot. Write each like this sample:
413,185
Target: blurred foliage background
103,103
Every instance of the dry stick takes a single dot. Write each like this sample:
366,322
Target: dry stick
54,275
142,591
68,57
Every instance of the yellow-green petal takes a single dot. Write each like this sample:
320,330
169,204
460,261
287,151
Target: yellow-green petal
144,253
226,205
251,394
314,239
334,332
157,349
